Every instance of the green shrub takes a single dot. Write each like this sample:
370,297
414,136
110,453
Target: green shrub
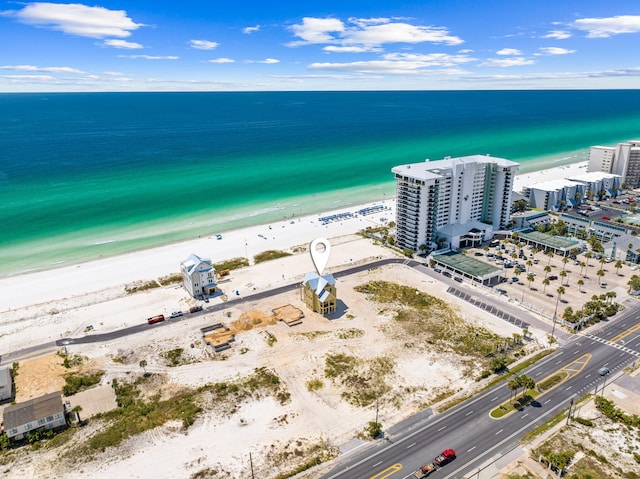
75,383
584,422
269,255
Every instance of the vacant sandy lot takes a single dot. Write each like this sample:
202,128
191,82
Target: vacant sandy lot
222,441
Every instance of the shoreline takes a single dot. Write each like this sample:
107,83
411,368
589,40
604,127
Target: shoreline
73,280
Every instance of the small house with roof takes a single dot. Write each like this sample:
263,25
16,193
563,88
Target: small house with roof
42,413
319,293
198,276
6,385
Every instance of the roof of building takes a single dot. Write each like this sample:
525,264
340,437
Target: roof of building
196,263
457,229
5,377
553,185
428,169
467,265
317,283
18,414
552,241
593,176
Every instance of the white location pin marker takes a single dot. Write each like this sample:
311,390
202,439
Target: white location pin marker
320,250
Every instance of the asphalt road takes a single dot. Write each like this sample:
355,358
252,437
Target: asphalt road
476,437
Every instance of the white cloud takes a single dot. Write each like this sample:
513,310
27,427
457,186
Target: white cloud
32,68
350,49
607,27
509,51
77,19
506,62
113,73
250,30
386,67
557,34
122,44
431,59
269,61
316,30
367,33
150,57
221,60
556,51
28,77
203,44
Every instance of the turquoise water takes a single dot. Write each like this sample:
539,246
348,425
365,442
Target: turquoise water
89,175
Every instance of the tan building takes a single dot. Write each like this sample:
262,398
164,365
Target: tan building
319,293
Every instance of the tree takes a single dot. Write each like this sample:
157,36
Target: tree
582,266
550,255
588,255
618,265
580,285
527,383
530,278
143,365
563,274
561,290
513,385
76,410
565,260
529,264
634,283
600,274
546,283
547,270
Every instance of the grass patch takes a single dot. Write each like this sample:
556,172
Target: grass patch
314,384
75,383
552,381
138,286
136,414
175,278
269,255
350,333
174,357
233,263
363,380
542,428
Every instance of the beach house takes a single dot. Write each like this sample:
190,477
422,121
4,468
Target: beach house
319,293
6,385
452,203
42,413
198,276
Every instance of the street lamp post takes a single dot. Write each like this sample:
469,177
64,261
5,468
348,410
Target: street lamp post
604,383
554,316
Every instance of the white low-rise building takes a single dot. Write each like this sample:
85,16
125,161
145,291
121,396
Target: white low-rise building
555,195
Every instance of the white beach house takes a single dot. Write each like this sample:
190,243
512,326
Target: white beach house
198,276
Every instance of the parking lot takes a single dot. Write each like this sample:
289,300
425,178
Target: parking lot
545,297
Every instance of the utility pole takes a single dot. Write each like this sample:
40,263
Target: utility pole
377,410
251,463
604,383
554,315
569,415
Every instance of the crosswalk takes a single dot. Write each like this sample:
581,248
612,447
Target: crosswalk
620,347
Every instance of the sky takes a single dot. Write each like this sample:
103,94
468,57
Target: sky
160,45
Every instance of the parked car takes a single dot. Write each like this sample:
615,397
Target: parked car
437,270
552,277
603,284
176,314
606,218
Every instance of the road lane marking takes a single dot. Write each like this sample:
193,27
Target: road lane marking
469,413
548,400
587,375
411,445
494,398
522,417
499,431
626,333
568,388
377,464
387,472
442,428
469,450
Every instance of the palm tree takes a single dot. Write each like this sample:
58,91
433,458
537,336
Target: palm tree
600,274
588,255
143,365
580,285
547,270
529,264
634,283
563,274
582,266
76,410
618,265
610,296
546,283
550,255
513,385
565,260
530,278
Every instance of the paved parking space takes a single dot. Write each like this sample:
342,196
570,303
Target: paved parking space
95,400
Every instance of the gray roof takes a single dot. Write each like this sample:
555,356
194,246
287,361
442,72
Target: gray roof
18,414
196,263
317,283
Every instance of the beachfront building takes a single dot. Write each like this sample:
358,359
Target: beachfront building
622,160
626,247
452,203
6,385
198,276
319,293
598,184
555,195
525,220
42,413
604,231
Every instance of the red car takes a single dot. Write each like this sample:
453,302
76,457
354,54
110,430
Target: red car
606,218
445,457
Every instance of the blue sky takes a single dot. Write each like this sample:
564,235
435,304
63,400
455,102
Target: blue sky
243,45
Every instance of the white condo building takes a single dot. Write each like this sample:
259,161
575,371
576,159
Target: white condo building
455,202
622,160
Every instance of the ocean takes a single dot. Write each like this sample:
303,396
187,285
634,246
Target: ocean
87,175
